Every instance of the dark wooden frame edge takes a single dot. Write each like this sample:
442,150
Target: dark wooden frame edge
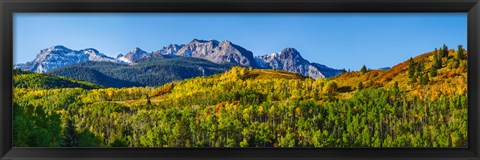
9,7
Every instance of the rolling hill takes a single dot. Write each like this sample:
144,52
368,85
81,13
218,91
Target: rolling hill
30,80
450,76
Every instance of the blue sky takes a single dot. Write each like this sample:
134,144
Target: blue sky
340,40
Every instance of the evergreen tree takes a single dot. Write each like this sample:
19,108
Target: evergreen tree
460,54
444,51
411,68
424,79
118,143
437,61
148,100
420,67
70,135
360,86
413,79
363,69
395,87
433,72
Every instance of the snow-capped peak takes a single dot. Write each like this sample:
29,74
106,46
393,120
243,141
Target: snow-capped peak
119,55
134,55
59,56
289,59
136,49
171,49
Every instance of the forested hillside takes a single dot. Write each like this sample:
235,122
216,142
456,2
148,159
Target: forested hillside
147,72
421,102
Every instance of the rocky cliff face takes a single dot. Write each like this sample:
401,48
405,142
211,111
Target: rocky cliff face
218,52
290,60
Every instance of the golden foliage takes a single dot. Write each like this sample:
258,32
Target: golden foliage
167,88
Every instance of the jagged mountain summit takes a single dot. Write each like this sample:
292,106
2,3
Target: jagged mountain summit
289,59
59,56
165,52
132,56
218,52
171,49
227,52
224,52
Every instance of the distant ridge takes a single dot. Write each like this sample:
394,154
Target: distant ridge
149,72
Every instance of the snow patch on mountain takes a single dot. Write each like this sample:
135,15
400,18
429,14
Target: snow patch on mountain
171,49
134,55
59,56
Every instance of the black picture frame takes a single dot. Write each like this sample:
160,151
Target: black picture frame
9,7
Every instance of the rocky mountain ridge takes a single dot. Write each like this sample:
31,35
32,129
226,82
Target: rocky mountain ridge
220,52
60,56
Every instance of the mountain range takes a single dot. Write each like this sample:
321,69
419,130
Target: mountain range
223,53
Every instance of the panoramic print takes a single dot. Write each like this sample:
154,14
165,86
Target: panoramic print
240,80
